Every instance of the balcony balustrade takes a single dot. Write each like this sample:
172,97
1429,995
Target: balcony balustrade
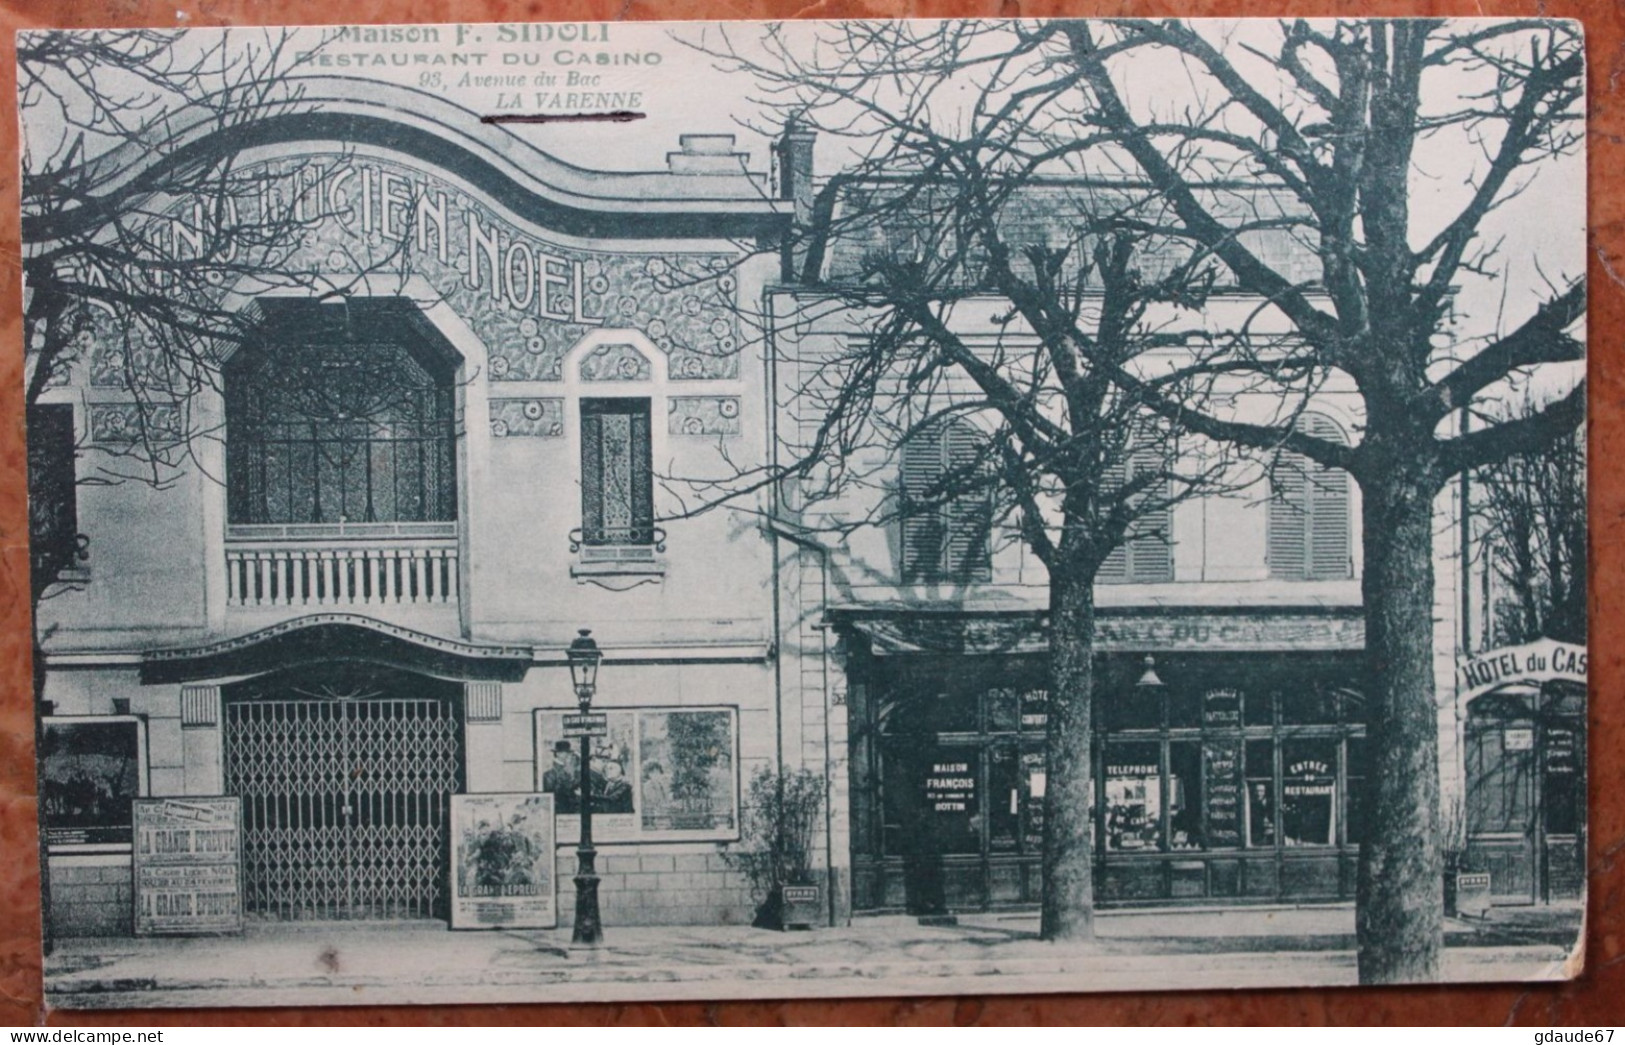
382,564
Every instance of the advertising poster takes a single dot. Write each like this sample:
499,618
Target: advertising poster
90,771
502,875
687,772
558,773
188,866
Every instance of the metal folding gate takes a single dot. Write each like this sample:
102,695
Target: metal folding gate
345,805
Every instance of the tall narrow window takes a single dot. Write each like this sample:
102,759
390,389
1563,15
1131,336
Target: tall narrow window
53,503
1309,513
1146,555
617,483
340,414
947,505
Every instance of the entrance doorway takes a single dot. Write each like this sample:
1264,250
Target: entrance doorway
1526,791
345,772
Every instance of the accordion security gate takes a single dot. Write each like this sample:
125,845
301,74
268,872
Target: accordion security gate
345,805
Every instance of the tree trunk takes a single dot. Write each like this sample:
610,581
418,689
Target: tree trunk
1400,908
1069,836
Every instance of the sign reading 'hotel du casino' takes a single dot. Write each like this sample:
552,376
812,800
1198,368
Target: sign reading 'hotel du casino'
1544,660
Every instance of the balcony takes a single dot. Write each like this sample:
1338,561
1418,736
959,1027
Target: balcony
342,564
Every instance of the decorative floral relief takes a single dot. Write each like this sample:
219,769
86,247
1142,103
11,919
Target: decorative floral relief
536,301
703,415
537,418
614,363
132,422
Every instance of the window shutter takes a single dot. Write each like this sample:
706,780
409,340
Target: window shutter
53,498
1329,525
943,538
643,507
1115,570
1288,520
1150,550
1309,535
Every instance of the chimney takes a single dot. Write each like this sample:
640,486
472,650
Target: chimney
794,155
794,152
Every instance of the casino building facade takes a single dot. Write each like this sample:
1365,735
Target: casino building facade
355,608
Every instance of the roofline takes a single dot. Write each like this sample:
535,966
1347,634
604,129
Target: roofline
528,181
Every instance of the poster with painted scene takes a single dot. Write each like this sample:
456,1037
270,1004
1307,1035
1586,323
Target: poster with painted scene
91,770
687,772
503,875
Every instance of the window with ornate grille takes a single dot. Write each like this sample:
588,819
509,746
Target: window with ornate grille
1309,536
332,419
1146,555
947,507
617,480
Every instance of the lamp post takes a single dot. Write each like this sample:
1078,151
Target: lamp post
584,657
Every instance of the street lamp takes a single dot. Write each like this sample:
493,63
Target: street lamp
584,657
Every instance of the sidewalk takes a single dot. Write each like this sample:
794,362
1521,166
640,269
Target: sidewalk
983,954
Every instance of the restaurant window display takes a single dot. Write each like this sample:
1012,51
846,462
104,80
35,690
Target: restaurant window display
1208,784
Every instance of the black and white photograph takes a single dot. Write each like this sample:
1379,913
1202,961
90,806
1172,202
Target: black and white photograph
805,509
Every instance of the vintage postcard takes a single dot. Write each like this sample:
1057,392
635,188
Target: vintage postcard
646,511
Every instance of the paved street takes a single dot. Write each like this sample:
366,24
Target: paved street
423,962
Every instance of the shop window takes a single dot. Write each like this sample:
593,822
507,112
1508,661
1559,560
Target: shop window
946,505
1308,792
1133,707
1500,776
1133,799
1561,794
1185,796
1261,793
1309,538
338,415
1358,773
53,492
1004,805
1146,555
1258,707
1003,710
1223,792
1309,704
1184,709
951,813
617,479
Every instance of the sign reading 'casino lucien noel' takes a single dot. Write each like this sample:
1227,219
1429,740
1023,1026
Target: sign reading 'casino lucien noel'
1543,660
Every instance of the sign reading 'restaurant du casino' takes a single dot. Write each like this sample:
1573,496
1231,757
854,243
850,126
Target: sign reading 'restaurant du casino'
188,866
1543,660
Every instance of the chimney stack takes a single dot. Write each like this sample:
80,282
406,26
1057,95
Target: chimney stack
794,155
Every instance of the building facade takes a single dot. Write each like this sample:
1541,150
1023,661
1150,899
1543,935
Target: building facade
407,498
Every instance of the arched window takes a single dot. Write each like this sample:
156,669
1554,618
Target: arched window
1146,555
947,505
1309,513
340,413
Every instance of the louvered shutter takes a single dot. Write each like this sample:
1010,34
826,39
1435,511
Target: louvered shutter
921,467
1309,513
1327,493
1151,552
1289,518
643,506
967,545
1115,570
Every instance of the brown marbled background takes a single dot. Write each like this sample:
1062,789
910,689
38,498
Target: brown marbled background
1597,997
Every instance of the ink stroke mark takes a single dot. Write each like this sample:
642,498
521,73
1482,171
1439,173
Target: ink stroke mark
618,116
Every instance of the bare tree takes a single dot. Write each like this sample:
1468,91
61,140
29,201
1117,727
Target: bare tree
1533,508
913,244
1289,157
139,218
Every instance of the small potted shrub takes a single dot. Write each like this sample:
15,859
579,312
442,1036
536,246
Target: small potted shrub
775,847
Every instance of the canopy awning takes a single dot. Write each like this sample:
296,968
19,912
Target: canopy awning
336,637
